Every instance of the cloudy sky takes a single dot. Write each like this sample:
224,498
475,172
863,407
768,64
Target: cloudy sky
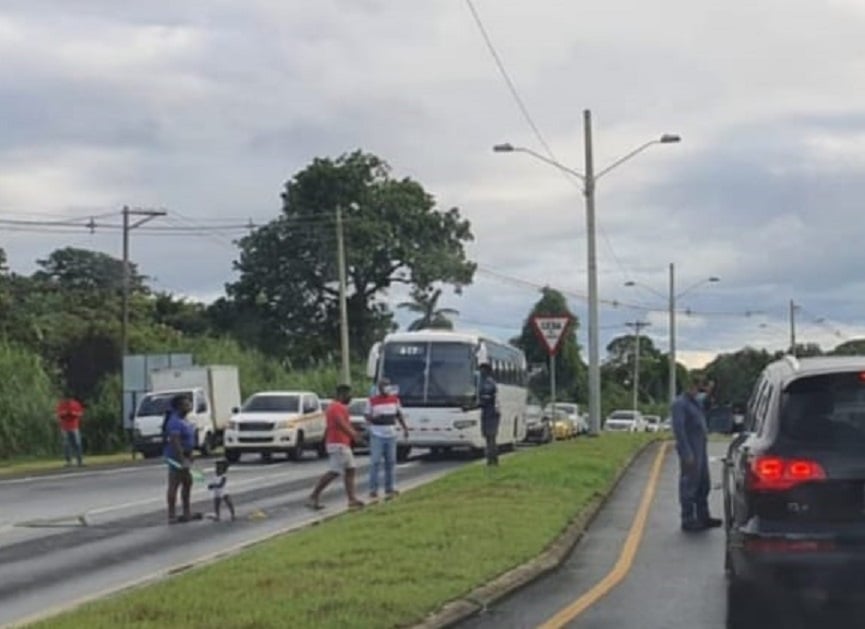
205,107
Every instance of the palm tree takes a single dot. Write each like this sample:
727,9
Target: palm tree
425,303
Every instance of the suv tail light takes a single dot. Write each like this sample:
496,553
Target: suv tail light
774,473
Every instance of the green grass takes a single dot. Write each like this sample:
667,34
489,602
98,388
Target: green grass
28,465
391,564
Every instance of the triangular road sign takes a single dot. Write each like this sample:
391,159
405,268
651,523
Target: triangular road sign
552,330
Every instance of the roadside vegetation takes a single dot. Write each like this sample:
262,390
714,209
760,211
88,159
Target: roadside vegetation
391,564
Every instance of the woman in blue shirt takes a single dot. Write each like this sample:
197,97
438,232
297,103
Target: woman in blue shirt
179,437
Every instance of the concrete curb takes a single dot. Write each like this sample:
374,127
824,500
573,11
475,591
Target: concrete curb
481,598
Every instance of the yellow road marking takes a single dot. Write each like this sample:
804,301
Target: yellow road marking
626,557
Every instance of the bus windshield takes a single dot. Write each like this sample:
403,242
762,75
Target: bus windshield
431,374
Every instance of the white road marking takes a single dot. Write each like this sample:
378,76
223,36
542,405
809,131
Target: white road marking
196,491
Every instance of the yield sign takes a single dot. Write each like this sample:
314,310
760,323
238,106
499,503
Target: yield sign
551,330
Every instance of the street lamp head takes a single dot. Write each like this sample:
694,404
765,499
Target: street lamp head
630,283
714,279
670,138
503,148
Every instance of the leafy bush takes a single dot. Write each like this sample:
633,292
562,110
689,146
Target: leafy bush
27,404
102,426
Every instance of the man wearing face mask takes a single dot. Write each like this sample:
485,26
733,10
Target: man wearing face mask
690,430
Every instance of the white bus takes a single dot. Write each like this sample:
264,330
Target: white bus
435,373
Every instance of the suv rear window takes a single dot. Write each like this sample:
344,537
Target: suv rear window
826,409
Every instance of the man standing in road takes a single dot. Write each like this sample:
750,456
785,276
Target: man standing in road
339,436
689,428
490,416
69,412
384,413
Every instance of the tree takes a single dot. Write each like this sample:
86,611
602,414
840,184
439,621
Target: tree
854,347
570,369
619,367
735,374
393,234
425,303
82,270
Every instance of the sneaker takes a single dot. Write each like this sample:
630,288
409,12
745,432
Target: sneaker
712,523
391,494
373,495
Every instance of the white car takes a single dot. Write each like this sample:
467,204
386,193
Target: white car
653,423
625,421
277,421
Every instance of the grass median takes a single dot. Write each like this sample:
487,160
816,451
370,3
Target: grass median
391,564
43,465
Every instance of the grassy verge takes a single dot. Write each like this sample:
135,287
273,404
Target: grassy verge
29,465
389,565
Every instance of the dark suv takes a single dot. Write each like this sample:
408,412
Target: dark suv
794,488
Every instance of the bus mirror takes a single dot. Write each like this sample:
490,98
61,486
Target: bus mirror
372,361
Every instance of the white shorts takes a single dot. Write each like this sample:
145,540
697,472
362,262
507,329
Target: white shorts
341,458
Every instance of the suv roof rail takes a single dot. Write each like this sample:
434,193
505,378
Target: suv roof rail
792,361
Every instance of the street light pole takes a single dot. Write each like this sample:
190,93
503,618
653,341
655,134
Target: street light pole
589,179
672,298
594,351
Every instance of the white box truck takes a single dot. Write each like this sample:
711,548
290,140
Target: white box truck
215,394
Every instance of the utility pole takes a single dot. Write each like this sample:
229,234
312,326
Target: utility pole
594,350
672,357
638,326
793,308
343,305
145,216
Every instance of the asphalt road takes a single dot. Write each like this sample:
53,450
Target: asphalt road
49,558
676,581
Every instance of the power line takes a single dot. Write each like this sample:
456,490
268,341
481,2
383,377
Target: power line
530,121
512,88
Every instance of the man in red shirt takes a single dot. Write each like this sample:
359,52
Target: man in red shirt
339,436
69,412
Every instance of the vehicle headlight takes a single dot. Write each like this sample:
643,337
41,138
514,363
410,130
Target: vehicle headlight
234,425
460,424
285,423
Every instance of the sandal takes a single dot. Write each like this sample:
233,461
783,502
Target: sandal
314,505
357,504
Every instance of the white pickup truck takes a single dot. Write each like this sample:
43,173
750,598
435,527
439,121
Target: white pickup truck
277,421
214,391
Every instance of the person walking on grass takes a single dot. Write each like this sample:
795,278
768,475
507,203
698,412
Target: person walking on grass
69,413
339,436
384,413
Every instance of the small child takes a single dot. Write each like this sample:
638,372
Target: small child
218,487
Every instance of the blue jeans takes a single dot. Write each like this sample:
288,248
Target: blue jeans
72,445
382,450
694,486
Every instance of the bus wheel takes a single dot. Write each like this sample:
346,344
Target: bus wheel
402,453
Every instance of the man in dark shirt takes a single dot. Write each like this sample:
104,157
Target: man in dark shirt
690,430
490,416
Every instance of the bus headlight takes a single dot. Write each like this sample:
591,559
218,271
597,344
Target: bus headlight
460,424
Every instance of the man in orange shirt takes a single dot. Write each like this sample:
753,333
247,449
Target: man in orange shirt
69,412
339,437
